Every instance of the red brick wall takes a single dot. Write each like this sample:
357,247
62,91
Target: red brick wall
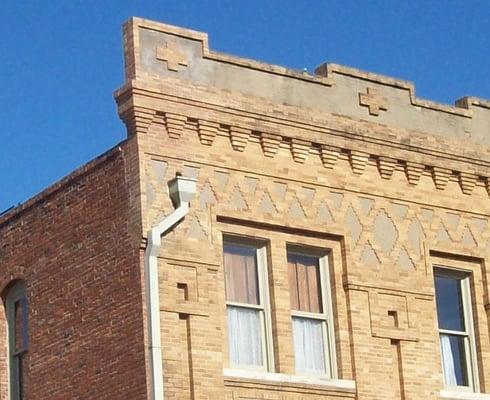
76,246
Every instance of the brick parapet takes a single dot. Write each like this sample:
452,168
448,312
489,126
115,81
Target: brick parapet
333,88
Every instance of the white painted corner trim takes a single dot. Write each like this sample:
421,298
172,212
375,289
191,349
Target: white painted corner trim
181,191
337,384
448,394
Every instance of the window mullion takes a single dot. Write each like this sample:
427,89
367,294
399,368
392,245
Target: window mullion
450,332
471,340
245,305
304,314
268,348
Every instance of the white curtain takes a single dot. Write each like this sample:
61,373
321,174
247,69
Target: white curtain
245,336
308,345
448,361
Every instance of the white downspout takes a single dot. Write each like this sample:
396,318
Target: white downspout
181,191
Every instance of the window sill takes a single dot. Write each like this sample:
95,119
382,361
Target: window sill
460,395
337,385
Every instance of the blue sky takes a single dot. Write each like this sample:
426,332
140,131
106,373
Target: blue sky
60,62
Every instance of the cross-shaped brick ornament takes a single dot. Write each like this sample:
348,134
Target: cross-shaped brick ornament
172,55
374,101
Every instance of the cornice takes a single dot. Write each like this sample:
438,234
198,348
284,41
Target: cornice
140,106
286,117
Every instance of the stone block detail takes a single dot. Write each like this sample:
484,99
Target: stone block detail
270,143
299,150
222,179
237,202
404,262
373,101
196,230
279,190
385,232
442,234
324,214
329,155
353,225
467,237
171,55
441,177
207,131
368,257
386,166
207,196
358,161
175,124
266,205
295,209
365,204
391,316
239,137
336,198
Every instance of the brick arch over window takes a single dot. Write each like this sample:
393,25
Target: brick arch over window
8,279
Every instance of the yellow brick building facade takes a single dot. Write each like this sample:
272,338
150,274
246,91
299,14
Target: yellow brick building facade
386,190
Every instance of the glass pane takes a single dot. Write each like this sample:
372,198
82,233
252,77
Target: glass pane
245,336
449,303
293,284
20,325
304,282
453,356
309,350
241,274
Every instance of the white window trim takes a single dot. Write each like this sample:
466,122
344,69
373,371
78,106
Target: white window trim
326,316
264,302
338,384
449,394
470,344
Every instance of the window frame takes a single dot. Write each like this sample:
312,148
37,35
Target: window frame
326,316
264,308
15,294
464,277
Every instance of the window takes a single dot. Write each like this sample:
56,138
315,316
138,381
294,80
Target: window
247,304
17,317
311,313
456,335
